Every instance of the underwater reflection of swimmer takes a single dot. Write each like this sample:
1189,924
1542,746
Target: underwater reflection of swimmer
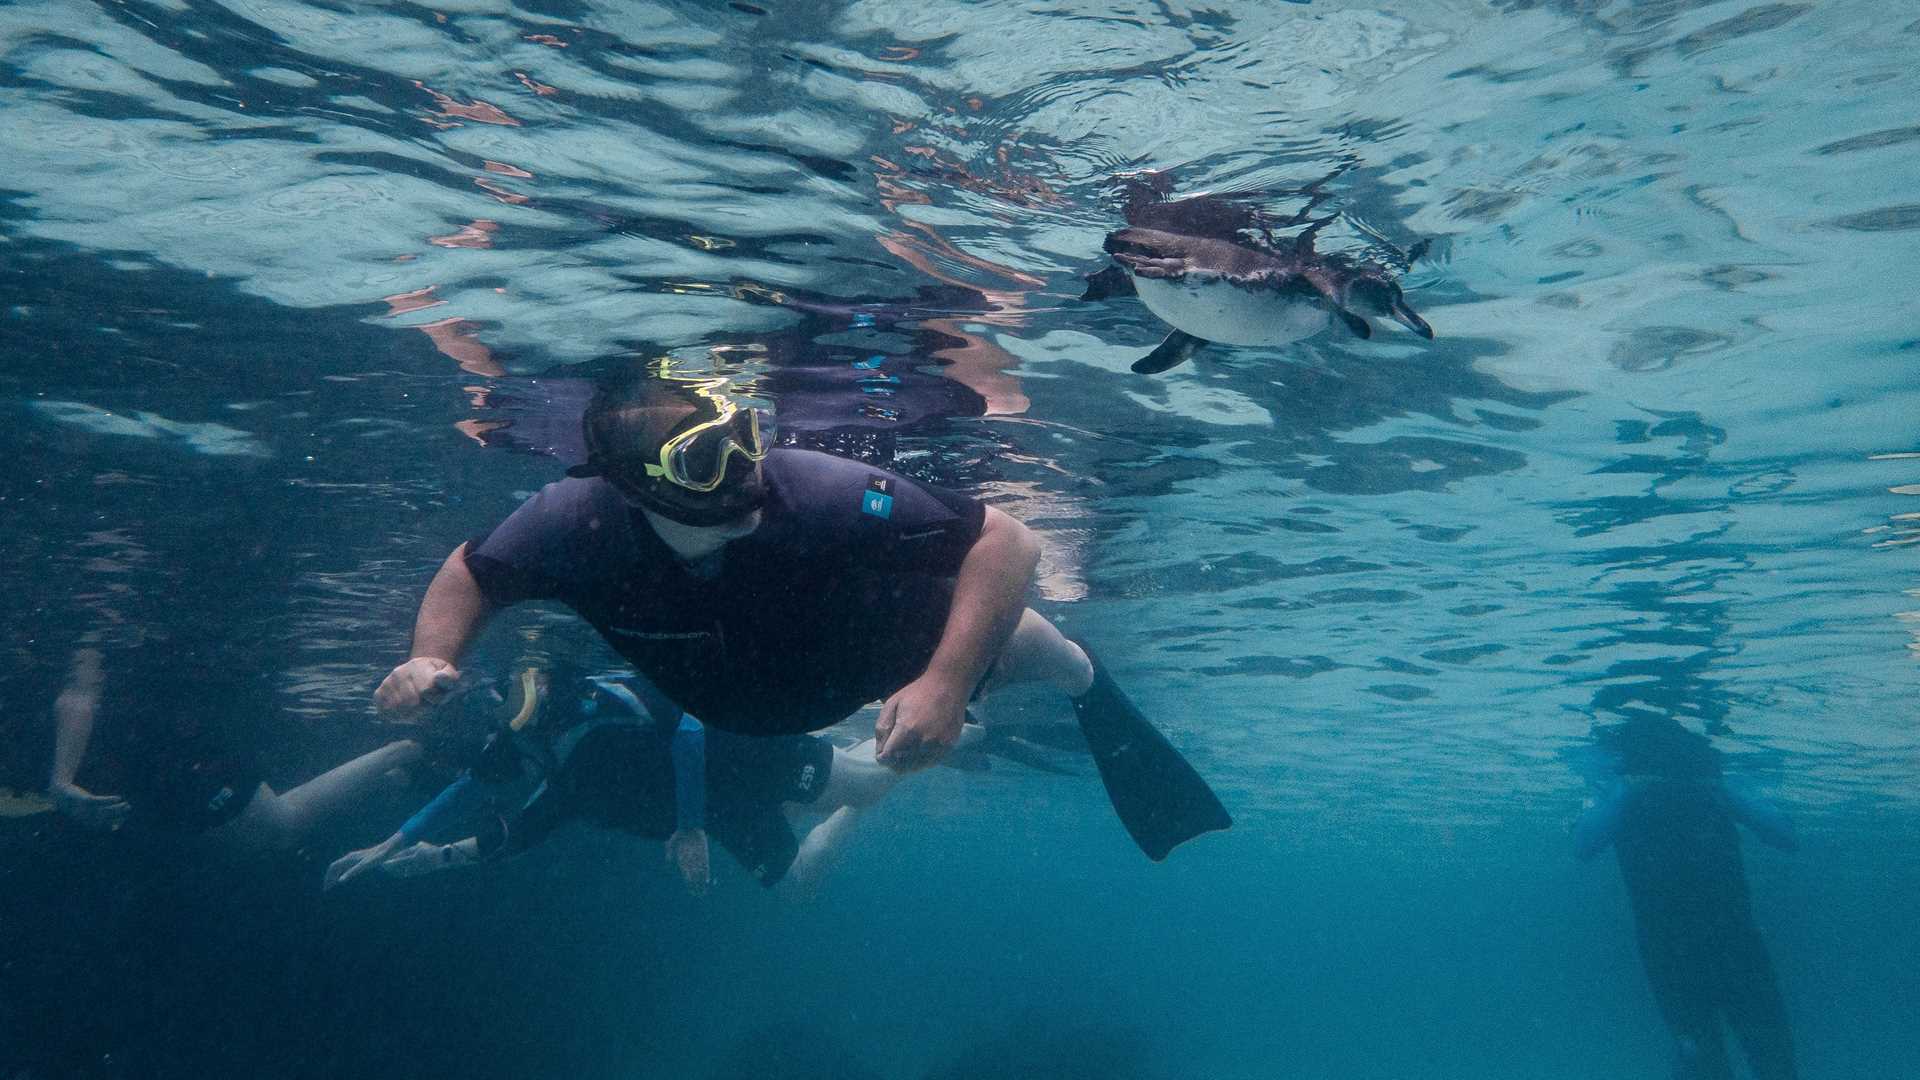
168,756
613,751
1670,816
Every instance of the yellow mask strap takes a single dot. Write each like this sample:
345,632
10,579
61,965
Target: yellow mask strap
529,699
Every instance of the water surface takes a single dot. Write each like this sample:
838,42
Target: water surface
287,287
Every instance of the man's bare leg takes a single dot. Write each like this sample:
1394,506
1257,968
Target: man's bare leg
1039,652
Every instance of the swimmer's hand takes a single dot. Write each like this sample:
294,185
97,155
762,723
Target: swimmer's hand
687,850
920,723
103,812
425,858
354,863
420,681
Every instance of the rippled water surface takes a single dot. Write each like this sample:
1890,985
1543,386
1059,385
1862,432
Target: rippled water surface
291,292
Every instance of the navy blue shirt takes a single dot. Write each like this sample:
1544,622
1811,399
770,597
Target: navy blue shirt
838,598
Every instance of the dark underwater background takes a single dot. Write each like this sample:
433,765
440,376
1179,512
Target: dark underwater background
294,297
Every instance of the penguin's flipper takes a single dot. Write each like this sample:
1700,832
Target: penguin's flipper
1361,328
1176,350
1111,282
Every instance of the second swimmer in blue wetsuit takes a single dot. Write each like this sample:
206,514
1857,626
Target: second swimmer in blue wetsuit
613,751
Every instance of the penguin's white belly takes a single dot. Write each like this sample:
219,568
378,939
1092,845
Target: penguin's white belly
1221,311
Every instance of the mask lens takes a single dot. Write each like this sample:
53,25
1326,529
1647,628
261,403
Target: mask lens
698,459
720,506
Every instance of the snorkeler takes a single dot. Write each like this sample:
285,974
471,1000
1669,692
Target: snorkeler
171,756
774,592
614,751
1670,817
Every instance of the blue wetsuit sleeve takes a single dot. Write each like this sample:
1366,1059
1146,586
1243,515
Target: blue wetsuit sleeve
459,799
689,774
1600,823
1767,821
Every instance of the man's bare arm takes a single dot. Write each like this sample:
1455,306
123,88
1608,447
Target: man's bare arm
451,614
920,723
989,594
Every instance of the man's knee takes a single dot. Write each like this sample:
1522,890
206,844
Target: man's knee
1039,652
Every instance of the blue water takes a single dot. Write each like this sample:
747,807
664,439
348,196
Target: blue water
274,275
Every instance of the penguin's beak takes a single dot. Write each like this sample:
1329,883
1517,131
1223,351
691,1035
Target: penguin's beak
1410,318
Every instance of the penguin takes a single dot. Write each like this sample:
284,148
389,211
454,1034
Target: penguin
1210,267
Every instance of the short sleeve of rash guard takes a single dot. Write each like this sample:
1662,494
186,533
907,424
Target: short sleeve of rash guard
891,520
539,548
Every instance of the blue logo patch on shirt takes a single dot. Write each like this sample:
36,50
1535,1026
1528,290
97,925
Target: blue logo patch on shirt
878,498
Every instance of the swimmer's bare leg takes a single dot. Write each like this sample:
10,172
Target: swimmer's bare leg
819,848
856,782
1039,652
282,820
856,779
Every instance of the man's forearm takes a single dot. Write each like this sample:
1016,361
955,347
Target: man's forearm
452,612
989,594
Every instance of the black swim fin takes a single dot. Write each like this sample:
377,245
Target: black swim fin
1040,756
1176,350
1158,796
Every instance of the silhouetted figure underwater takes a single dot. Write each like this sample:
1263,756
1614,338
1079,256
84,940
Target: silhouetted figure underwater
172,755
1671,817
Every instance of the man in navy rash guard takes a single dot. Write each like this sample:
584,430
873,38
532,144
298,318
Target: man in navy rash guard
775,592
